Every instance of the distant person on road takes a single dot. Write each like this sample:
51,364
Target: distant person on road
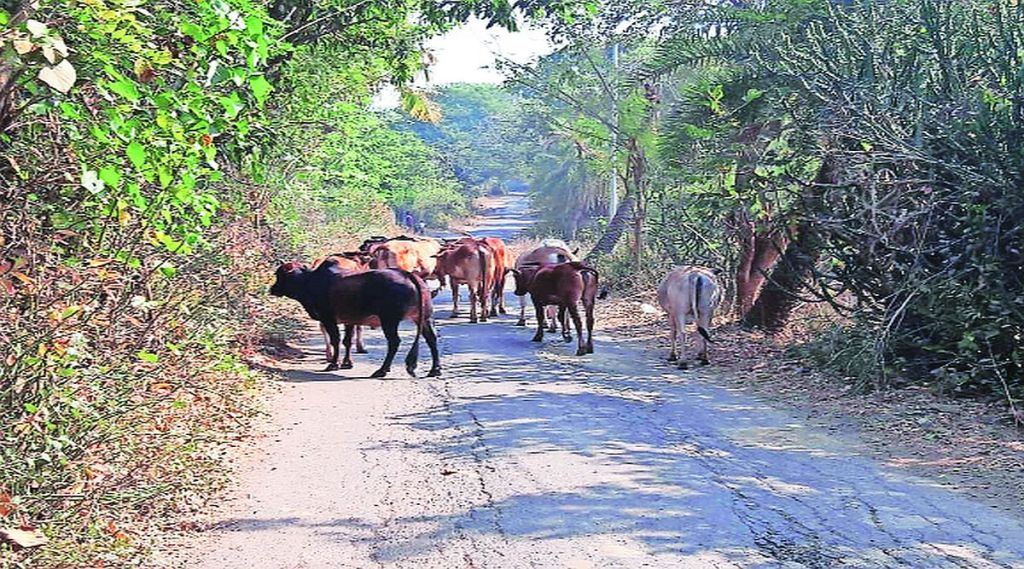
421,228
410,222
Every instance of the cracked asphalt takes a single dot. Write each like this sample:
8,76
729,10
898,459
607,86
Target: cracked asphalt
524,455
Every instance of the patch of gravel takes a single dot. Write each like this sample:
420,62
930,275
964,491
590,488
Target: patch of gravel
970,446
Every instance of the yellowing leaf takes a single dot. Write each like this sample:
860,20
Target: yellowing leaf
23,537
61,76
22,277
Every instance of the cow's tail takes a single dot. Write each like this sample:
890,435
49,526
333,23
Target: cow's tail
586,271
485,273
421,303
697,288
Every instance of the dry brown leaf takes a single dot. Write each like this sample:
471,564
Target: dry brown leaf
23,537
6,504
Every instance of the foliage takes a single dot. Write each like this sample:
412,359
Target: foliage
876,139
486,136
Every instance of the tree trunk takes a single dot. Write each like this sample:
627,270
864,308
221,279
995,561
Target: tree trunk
760,248
779,295
778,298
615,229
9,76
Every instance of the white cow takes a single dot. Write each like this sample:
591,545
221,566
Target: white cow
690,294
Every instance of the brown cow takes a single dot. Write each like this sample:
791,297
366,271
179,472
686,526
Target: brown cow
690,294
563,285
347,263
551,251
372,298
502,262
467,261
499,268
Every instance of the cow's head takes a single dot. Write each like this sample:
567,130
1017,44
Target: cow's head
288,279
523,277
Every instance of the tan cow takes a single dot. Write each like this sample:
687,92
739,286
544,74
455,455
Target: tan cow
551,251
419,256
469,262
690,294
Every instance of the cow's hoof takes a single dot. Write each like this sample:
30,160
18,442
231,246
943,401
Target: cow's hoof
566,339
331,367
454,315
704,361
521,323
346,365
494,312
537,339
581,352
590,349
379,373
362,351
435,372
502,310
683,365
673,357
473,320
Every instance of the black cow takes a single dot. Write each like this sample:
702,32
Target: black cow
375,298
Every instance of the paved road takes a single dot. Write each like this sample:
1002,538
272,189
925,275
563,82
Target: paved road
527,456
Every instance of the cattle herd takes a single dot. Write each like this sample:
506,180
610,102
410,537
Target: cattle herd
386,281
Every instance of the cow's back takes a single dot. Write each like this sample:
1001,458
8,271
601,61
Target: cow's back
559,282
360,298
677,288
412,256
545,256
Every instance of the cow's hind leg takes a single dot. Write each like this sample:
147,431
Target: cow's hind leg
588,308
455,298
566,335
581,346
484,296
539,308
554,321
346,362
431,337
360,348
473,293
335,336
703,321
390,328
685,340
522,311
673,327
328,356
499,292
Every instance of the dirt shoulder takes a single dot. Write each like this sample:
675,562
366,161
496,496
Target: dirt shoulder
965,445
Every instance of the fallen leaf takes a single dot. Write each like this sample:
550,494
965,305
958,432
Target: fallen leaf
36,28
25,536
23,46
61,76
6,505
